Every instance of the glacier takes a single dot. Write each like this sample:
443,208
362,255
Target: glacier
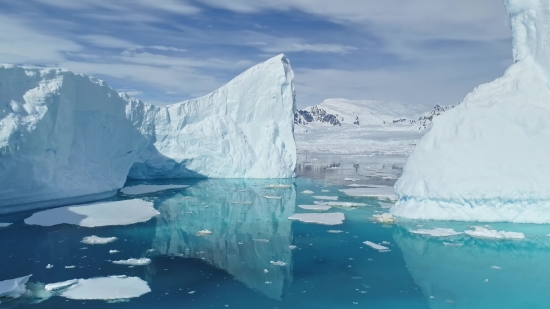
487,159
66,138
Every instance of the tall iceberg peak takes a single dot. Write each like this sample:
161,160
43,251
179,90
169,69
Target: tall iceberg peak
68,138
487,159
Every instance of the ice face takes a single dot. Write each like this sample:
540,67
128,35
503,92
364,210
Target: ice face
487,159
67,138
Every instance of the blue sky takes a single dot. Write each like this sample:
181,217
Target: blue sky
164,51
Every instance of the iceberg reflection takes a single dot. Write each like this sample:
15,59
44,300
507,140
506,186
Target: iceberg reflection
248,230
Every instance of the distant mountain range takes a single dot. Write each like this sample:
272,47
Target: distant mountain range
342,112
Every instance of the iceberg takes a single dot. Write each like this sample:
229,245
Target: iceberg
14,287
486,159
67,138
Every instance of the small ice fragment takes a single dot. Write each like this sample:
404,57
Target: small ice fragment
376,246
486,281
133,262
271,197
496,267
277,186
307,192
268,282
261,240
71,266
278,263
191,292
4,224
150,250
146,189
203,233
335,231
324,197
266,271
14,287
350,179
437,232
315,207
240,242
325,190
113,251
292,247
483,232
385,242
95,240
60,285
49,266
384,218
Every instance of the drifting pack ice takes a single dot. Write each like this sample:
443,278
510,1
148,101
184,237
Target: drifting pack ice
488,158
68,138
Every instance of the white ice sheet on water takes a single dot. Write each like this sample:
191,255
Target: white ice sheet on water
104,288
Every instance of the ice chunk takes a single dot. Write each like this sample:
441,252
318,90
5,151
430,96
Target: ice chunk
483,232
485,160
384,218
14,287
278,263
134,262
113,251
4,224
315,207
204,232
98,214
376,246
104,288
280,186
437,232
147,189
323,197
496,267
95,240
380,192
49,266
307,192
333,218
60,285
70,267
335,231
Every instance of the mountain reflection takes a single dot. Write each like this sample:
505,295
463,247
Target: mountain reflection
248,230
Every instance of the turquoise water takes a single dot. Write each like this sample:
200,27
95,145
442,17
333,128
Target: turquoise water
325,270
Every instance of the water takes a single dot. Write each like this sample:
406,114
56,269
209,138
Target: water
325,270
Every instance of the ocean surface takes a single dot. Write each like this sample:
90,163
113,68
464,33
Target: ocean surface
256,257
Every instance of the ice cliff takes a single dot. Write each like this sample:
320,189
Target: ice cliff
67,138
487,159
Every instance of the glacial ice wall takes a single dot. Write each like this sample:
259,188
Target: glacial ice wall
487,159
67,138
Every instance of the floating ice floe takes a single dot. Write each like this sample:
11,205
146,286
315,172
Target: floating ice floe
14,287
384,218
95,240
278,263
324,197
147,189
380,192
315,207
113,251
203,233
437,232
292,247
4,224
266,271
104,288
345,204
376,246
307,192
335,231
333,218
496,267
324,191
49,266
271,197
98,214
278,186
483,232
134,262
70,267
351,179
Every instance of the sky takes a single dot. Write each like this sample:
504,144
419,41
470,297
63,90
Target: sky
165,51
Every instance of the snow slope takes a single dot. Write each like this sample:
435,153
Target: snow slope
67,138
487,159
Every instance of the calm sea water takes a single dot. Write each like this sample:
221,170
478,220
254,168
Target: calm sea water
325,270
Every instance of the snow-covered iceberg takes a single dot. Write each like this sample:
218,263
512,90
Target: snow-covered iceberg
487,159
67,138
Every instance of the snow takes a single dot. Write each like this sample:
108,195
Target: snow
376,246
4,224
103,288
315,207
323,197
95,215
381,192
71,139
14,287
486,159
437,232
146,189
134,262
483,232
95,240
333,218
